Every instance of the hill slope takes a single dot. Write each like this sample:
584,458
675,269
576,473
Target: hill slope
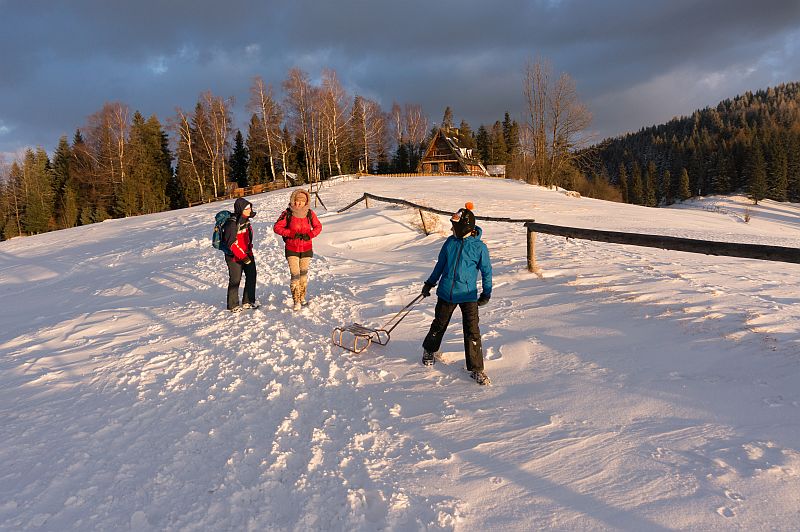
721,149
633,388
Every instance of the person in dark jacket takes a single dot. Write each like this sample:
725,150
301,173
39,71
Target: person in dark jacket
238,237
462,256
298,224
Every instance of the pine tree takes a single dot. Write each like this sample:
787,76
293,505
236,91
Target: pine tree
622,181
86,189
684,192
650,185
174,199
64,195
667,185
239,161
511,135
793,166
465,137
498,153
482,144
174,193
149,170
38,192
401,161
777,170
127,193
722,173
756,173
636,188
258,169
447,119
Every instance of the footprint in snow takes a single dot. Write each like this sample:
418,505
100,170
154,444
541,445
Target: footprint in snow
732,495
724,511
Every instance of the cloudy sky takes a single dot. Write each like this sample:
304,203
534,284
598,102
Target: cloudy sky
635,62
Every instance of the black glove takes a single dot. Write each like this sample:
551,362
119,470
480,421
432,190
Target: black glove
483,299
302,236
426,289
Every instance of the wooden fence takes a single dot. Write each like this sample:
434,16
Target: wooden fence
242,192
706,247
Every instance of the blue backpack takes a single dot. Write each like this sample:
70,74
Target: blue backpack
218,238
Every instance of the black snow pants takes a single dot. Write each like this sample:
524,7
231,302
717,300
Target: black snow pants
235,270
473,351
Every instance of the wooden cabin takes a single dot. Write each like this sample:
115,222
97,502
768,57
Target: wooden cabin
445,156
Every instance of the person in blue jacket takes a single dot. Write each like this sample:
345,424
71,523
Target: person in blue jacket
462,256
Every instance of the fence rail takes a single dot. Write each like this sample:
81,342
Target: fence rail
705,247
367,196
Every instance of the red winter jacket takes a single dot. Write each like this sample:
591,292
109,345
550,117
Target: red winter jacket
242,248
298,225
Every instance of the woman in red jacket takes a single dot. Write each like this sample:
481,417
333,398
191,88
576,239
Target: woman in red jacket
298,225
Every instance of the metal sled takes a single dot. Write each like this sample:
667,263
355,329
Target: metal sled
356,337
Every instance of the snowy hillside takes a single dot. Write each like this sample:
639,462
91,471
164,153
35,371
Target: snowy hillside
633,388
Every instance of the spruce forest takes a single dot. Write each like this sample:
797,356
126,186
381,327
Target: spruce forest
749,144
122,164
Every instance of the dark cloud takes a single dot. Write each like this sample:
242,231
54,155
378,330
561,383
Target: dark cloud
634,63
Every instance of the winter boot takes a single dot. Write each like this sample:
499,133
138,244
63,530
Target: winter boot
294,288
480,377
428,358
303,286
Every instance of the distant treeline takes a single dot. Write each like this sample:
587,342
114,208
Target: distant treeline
121,164
748,144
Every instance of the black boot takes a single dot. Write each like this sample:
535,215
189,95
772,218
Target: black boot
427,358
480,377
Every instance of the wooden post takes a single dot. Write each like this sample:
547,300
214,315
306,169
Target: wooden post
366,201
424,227
532,267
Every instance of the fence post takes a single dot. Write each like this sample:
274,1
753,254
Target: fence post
532,267
366,201
424,227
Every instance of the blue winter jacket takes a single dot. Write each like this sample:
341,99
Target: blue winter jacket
458,265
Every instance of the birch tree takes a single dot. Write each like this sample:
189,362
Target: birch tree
369,123
556,122
188,158
302,111
335,117
409,125
270,114
216,137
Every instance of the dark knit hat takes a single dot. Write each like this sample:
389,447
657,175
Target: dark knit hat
240,205
463,221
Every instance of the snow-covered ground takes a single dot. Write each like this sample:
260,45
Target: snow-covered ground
633,388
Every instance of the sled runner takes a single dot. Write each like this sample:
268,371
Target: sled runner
356,337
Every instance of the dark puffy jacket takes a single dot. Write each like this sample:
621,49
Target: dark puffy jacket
459,261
